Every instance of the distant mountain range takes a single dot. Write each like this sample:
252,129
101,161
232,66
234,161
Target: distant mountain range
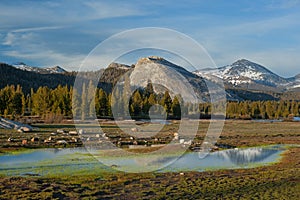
249,75
243,79
51,70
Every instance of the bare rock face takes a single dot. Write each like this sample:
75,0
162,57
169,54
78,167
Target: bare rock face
166,75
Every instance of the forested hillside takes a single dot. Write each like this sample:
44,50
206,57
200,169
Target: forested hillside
49,96
10,75
53,105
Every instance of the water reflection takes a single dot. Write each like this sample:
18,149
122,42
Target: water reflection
47,161
246,156
227,159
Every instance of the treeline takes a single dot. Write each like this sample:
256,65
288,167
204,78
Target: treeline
123,103
52,105
49,104
263,109
9,75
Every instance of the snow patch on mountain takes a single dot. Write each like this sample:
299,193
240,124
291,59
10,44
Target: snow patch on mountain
48,70
243,72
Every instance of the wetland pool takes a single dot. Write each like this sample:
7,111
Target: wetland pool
79,161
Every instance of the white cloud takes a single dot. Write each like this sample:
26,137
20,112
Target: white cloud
63,13
9,39
34,29
150,38
69,62
103,9
250,40
17,39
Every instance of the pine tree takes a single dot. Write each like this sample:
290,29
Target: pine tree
176,110
149,89
269,110
17,103
91,99
167,102
109,103
136,103
116,102
24,105
126,95
102,103
84,105
152,99
146,106
41,101
255,112
76,104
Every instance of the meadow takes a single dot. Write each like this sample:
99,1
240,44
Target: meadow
280,180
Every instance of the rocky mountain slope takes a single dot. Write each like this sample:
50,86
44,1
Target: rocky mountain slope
166,74
248,75
243,80
48,70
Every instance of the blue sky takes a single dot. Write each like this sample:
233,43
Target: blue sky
47,33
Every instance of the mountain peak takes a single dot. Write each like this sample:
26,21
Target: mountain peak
25,67
56,69
246,65
245,62
245,72
167,75
19,63
151,59
158,60
118,66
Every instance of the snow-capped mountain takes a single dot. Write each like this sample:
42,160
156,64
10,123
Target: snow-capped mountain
244,72
243,80
48,70
294,83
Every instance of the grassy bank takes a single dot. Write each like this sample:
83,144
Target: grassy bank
278,181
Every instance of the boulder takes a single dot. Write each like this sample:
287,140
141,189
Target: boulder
134,130
73,132
60,131
61,142
26,129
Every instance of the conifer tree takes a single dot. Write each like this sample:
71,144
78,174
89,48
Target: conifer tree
167,102
176,110
84,105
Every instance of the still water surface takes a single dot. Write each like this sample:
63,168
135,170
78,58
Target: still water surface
79,161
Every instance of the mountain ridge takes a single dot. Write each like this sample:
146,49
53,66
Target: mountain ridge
42,70
247,74
243,79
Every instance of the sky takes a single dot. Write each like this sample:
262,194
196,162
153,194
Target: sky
48,33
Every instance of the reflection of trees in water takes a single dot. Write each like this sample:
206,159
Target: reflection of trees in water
245,156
